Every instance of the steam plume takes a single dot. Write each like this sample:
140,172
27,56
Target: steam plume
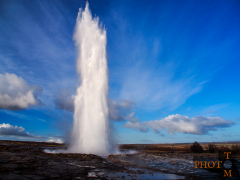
91,126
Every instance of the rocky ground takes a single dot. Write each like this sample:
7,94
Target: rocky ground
28,160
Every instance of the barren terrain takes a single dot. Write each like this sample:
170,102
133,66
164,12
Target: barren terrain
28,160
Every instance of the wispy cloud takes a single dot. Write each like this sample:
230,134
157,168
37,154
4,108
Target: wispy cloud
39,46
19,115
182,124
214,108
157,89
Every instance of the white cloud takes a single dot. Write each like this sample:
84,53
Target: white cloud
182,124
131,118
64,100
143,127
118,109
16,93
55,139
10,132
7,129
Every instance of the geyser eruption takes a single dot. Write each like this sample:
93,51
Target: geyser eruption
90,128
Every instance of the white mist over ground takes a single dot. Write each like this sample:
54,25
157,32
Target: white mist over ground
91,127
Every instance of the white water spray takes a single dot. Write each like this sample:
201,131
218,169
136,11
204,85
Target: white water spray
90,128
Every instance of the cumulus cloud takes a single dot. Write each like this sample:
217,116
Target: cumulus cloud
16,93
55,139
119,110
143,127
182,124
131,118
64,100
19,133
8,129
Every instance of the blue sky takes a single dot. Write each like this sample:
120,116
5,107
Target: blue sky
173,69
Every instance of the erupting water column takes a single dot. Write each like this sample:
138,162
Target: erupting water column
90,128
